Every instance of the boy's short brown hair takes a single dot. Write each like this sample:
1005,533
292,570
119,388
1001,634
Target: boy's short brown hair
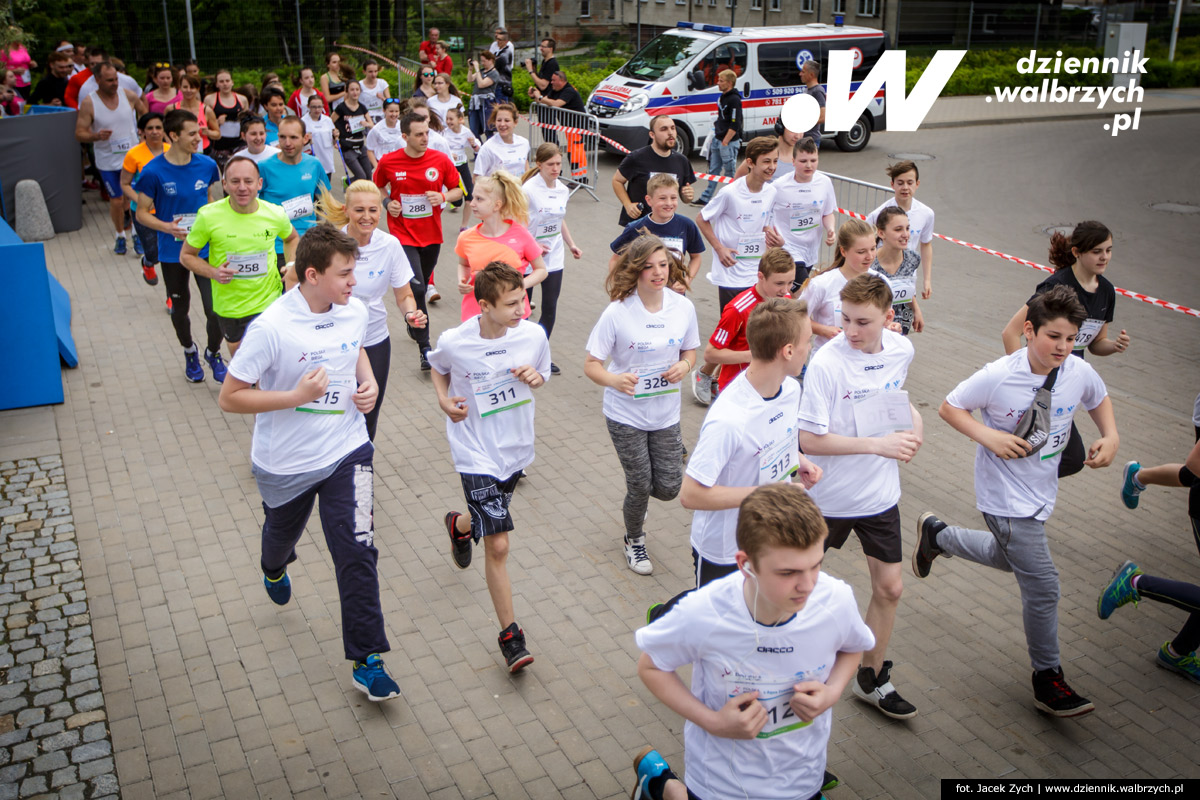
1060,302
319,245
662,180
760,146
775,261
774,324
778,515
494,280
900,167
868,289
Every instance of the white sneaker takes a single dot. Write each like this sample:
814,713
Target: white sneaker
701,387
635,556
431,294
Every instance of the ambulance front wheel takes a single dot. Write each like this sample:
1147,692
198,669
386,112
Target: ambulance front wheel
856,138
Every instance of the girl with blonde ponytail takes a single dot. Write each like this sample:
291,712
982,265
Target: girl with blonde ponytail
822,290
501,235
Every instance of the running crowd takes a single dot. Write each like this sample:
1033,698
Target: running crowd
804,375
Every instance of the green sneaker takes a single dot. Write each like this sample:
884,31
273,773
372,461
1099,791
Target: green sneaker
1119,590
1188,666
830,781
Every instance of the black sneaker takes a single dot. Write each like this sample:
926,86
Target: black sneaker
460,543
425,365
1052,695
928,527
512,647
879,692
554,370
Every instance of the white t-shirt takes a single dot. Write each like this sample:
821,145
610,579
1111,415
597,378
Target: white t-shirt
371,99
746,440
838,377
462,144
738,217
439,142
547,210
824,297
124,81
920,222
495,154
382,140
440,108
281,346
1002,390
647,344
381,265
321,146
797,214
267,151
731,653
496,438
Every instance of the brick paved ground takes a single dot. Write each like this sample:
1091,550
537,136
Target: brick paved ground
211,690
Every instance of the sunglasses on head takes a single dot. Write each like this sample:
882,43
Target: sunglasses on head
162,65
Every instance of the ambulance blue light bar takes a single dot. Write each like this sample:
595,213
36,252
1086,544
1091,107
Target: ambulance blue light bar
708,28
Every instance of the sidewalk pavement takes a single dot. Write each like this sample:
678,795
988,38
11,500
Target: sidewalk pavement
953,112
212,691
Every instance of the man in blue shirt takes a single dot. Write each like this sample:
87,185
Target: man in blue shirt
171,189
292,179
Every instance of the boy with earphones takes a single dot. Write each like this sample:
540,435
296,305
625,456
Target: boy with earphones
772,648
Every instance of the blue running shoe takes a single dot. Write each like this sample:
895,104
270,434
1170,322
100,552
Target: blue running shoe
137,245
216,364
279,590
191,366
1188,666
1119,591
119,248
372,679
649,765
1129,487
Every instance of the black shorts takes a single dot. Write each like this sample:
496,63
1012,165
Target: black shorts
878,533
488,498
707,571
234,328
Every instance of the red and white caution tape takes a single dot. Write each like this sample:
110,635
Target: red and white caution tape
581,131
1145,298
382,58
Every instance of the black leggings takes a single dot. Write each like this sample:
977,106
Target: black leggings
358,164
550,289
1182,595
380,356
468,184
175,276
422,260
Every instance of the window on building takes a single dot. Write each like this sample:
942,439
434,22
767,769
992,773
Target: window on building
585,8
868,8
756,5
839,6
805,5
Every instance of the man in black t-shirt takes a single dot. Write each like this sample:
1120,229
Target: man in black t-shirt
51,89
810,73
565,96
541,76
629,182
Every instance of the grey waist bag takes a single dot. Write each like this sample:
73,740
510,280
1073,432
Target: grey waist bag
1034,424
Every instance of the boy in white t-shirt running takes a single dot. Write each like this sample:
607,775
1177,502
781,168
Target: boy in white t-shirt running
303,371
484,371
771,651
857,424
749,437
805,208
1016,482
905,178
734,223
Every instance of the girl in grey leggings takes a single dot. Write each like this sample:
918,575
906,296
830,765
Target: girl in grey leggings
651,337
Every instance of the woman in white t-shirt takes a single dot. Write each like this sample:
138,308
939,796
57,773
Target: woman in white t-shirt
446,97
254,134
506,150
898,265
374,89
386,137
548,197
381,264
322,134
822,290
651,337
461,141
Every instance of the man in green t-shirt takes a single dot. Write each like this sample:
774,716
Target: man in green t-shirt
240,233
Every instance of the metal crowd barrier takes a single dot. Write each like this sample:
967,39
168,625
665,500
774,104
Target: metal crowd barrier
854,195
577,134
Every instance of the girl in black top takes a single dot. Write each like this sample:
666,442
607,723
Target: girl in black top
352,121
226,105
1079,262
333,84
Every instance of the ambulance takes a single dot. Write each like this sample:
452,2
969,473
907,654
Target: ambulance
676,74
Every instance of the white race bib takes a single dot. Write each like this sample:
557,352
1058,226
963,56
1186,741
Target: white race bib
1087,332
250,265
230,129
299,207
185,221
674,244
337,398
459,157
1060,433
802,219
776,695
550,229
356,124
881,413
652,382
500,391
751,247
904,288
780,459
415,206
122,145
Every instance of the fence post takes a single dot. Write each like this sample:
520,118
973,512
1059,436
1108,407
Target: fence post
970,23
299,36
1037,26
167,29
896,36
1103,25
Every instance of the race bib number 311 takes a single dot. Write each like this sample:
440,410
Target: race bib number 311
501,391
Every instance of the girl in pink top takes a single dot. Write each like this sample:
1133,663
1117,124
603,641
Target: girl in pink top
166,92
